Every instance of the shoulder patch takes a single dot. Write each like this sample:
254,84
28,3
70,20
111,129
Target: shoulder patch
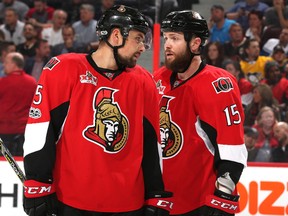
222,84
51,63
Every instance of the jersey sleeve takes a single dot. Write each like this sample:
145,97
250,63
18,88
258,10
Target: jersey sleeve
47,114
220,111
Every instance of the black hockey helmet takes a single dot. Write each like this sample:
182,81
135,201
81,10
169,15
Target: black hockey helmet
123,17
187,21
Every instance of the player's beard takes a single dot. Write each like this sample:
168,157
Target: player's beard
128,62
180,63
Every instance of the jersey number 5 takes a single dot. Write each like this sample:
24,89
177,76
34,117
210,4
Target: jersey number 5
38,95
232,115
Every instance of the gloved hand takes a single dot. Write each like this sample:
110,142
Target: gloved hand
158,204
39,199
222,204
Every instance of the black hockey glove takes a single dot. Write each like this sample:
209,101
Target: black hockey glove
158,204
39,199
222,204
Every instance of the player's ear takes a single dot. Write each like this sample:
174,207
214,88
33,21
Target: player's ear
194,44
116,37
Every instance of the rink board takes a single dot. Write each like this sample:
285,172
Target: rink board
263,189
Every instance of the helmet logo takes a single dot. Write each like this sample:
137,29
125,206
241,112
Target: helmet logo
170,133
121,8
110,128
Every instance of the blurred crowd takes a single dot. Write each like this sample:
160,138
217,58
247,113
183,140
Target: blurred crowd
250,40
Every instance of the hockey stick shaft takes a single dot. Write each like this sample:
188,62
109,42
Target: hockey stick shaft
5,152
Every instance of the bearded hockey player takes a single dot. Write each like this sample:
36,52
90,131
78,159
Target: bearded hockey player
201,123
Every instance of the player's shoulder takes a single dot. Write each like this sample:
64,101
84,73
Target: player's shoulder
212,77
212,72
65,60
70,57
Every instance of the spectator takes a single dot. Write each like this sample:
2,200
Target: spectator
253,64
13,27
280,153
266,140
34,65
262,96
72,9
256,26
2,35
85,27
27,49
279,56
16,94
57,4
240,11
186,4
278,84
244,85
105,5
250,137
53,34
214,54
5,48
69,44
234,48
20,8
277,15
282,40
219,25
40,14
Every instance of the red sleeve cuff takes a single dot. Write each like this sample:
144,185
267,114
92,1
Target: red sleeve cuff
34,189
163,203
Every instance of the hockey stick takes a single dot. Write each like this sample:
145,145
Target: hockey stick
5,152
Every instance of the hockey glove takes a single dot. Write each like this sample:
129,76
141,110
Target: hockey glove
39,199
158,204
222,204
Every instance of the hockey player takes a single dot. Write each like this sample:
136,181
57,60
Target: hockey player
201,121
91,139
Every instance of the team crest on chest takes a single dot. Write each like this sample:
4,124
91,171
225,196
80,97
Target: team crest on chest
110,128
170,133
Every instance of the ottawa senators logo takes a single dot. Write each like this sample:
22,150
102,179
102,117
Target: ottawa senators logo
170,133
223,84
110,129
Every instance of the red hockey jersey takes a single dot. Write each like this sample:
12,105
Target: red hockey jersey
200,124
94,132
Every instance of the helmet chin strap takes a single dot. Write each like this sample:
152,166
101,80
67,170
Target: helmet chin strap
115,53
191,58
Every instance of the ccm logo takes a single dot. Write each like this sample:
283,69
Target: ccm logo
37,190
165,204
223,205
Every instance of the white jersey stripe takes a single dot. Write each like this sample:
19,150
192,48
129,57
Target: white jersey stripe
35,134
237,153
